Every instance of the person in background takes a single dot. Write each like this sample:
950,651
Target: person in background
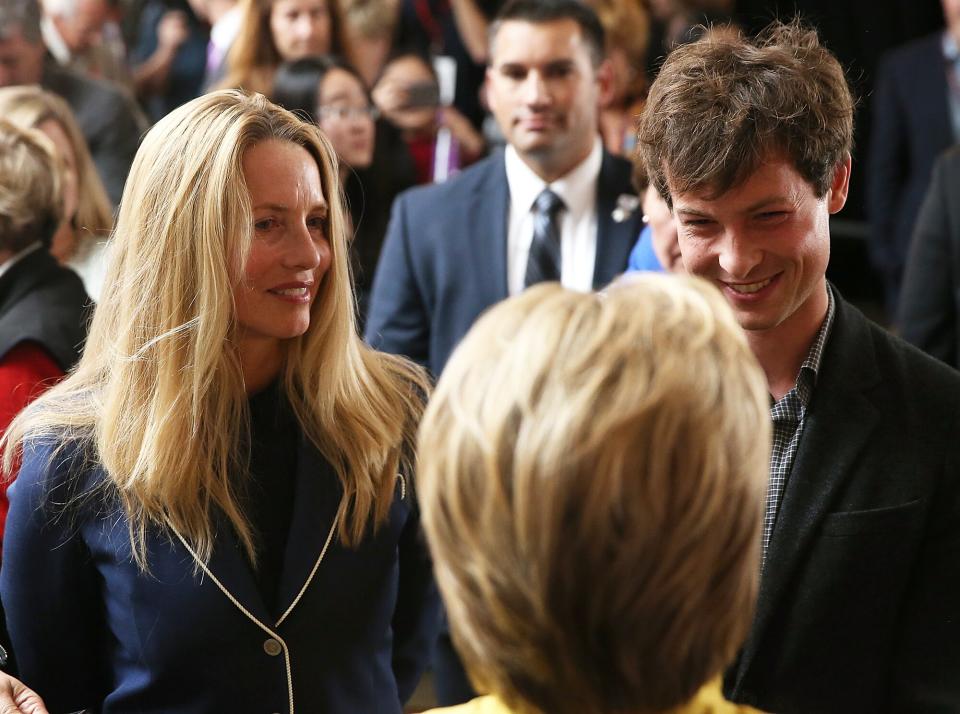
81,239
859,604
332,94
591,473
81,35
169,58
225,17
915,110
108,117
223,484
369,27
42,305
657,248
409,96
277,31
627,26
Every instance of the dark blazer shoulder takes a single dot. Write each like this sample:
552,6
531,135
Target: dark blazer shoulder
465,183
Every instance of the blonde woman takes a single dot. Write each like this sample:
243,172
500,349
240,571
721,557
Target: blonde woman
592,474
277,31
80,242
219,494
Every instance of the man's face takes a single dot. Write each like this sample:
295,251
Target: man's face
544,92
21,62
765,244
82,30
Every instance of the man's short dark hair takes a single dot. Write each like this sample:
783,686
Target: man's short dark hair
542,11
722,105
21,16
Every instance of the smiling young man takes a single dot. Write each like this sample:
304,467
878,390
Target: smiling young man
552,207
859,608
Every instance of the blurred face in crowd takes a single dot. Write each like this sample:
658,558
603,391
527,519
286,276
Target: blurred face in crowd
663,230
21,62
407,94
290,253
765,244
346,117
300,28
81,28
544,91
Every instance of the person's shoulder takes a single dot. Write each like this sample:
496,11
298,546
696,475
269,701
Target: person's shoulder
437,197
912,52
479,705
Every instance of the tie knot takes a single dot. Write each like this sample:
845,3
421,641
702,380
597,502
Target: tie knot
547,203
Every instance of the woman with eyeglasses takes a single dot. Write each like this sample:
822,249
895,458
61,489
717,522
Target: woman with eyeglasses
332,94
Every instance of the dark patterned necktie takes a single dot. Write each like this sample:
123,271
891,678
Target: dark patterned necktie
543,263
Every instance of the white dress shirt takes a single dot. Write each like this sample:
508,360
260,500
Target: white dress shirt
578,221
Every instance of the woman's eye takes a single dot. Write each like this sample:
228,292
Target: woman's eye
264,224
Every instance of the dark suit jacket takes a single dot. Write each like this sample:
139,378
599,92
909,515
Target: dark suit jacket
930,302
444,260
859,605
91,630
911,127
110,120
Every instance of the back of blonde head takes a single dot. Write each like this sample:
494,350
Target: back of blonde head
592,473
29,107
159,397
30,199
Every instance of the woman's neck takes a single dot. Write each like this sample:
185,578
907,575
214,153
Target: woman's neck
260,361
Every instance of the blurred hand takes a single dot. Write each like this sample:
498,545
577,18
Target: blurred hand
15,698
171,33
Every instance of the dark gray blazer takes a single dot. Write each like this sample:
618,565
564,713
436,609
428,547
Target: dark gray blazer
930,302
859,606
109,118
444,260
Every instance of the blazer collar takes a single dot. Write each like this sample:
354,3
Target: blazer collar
486,223
318,494
837,426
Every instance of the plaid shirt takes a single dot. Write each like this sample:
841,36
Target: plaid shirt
788,416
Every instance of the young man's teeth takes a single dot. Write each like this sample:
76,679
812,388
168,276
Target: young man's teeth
292,291
752,287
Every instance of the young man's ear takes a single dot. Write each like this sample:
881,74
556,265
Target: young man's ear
840,187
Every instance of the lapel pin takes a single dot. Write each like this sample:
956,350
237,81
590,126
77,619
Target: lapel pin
627,203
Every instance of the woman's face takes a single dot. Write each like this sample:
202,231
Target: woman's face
71,190
300,28
345,116
290,253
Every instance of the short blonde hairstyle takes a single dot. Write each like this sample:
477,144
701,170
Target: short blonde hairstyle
29,107
158,396
592,472
30,200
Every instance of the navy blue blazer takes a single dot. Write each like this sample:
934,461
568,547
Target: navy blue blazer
859,603
444,260
91,631
911,127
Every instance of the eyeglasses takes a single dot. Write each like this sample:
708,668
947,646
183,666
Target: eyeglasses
343,113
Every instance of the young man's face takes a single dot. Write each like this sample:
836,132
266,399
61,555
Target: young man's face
544,91
765,244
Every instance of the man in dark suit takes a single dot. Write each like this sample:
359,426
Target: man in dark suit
916,116
452,250
929,314
110,120
859,605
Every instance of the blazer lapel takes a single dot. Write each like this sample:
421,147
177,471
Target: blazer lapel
317,499
486,227
618,222
838,424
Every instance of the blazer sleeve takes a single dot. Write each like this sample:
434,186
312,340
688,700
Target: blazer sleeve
50,587
398,320
887,169
416,619
926,671
927,315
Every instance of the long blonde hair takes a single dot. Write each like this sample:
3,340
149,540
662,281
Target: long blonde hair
159,393
591,474
28,107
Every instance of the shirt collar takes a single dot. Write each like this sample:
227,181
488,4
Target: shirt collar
807,378
576,188
54,41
